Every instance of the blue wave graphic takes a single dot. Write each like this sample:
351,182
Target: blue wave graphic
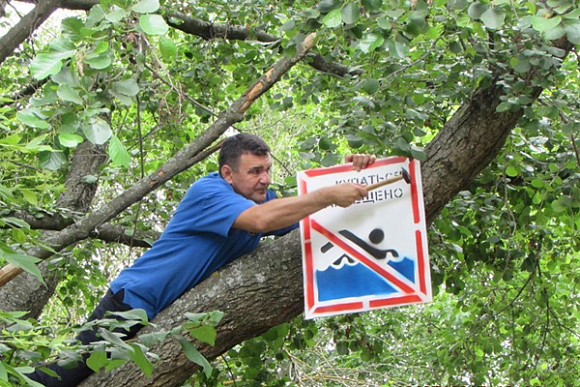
405,266
350,281
358,280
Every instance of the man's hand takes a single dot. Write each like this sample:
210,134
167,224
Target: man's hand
360,161
345,194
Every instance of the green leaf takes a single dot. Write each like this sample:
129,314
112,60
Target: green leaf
153,24
326,6
205,333
114,363
15,222
364,101
370,42
543,24
69,140
504,107
25,262
63,46
146,6
114,339
195,356
67,93
37,143
29,196
329,160
385,23
167,48
403,145
397,49
137,314
97,131
350,13
71,26
573,32
30,117
3,372
127,87
116,15
332,19
97,360
141,360
66,76
370,86
555,33
45,65
50,63
477,9
288,26
511,171
493,18
118,153
52,161
99,61
418,153
149,339
354,141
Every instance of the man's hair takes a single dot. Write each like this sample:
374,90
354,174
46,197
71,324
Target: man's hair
235,146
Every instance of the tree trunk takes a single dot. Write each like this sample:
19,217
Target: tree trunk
264,289
25,292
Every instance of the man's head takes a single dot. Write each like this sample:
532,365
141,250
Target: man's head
244,162
236,145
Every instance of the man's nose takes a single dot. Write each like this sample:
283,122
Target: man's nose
265,177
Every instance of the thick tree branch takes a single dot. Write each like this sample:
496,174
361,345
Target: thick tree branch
26,26
106,232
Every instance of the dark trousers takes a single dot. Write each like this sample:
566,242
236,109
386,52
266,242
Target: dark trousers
70,377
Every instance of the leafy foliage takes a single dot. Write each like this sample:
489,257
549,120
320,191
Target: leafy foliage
504,251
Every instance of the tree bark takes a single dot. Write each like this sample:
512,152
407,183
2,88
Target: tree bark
26,26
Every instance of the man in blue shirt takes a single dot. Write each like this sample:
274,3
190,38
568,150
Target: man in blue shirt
222,217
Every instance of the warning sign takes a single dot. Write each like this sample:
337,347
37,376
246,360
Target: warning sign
372,254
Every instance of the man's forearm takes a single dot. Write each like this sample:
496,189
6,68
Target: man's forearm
279,213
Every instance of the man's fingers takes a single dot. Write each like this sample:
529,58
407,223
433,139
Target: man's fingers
361,161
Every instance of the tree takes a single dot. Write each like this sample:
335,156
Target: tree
484,88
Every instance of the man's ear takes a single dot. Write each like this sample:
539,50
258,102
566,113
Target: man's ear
226,172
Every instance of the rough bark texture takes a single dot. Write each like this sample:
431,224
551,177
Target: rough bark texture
471,139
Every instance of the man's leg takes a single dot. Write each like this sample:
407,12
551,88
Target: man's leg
70,377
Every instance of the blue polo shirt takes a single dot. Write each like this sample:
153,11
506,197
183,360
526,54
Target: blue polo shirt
198,240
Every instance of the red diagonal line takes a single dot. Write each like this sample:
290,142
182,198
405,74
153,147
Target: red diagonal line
364,260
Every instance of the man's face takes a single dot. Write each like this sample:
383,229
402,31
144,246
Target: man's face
252,177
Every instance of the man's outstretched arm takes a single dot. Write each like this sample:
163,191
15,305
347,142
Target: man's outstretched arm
283,212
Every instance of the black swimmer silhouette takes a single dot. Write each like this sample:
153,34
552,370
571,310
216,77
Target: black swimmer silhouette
376,236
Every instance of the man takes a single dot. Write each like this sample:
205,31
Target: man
222,217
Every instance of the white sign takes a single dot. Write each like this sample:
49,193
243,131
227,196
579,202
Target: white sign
372,254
